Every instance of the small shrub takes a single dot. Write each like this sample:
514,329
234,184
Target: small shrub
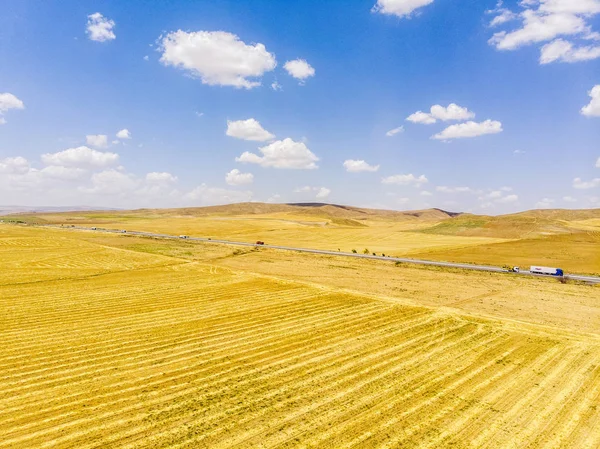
366,251
354,251
374,254
398,263
382,255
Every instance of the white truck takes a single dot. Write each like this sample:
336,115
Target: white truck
548,271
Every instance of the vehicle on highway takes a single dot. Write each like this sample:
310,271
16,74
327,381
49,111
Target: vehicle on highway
123,231
260,243
93,229
511,269
184,236
548,271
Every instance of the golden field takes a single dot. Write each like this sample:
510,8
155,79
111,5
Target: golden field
129,342
569,239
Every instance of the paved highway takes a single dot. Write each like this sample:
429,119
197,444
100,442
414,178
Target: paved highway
590,279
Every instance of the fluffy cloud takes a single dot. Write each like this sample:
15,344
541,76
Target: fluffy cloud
217,57
546,20
426,193
400,8
97,140
276,86
14,165
248,130
545,203
578,183
393,132
299,69
404,180
355,166
438,112
9,101
64,173
323,193
508,199
99,28
237,178
282,154
204,195
81,157
124,134
469,129
161,178
446,189
598,163
593,109
569,199
421,117
112,182
563,51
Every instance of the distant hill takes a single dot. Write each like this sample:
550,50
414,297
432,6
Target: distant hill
7,210
526,224
322,210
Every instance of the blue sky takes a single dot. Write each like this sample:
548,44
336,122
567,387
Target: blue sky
198,88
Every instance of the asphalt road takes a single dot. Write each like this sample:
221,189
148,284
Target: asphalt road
590,279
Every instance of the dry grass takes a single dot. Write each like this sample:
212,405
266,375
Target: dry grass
144,349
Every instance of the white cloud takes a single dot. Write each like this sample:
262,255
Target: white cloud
409,179
503,16
393,132
593,109
8,101
421,117
208,196
146,58
426,193
545,203
518,152
598,163
547,20
64,173
249,129
199,114
399,8
282,154
438,112
469,129
563,51
112,182
81,157
274,198
578,183
508,199
14,165
323,193
276,86
97,140
299,69
355,166
217,57
569,199
446,189
99,28
237,178
161,178
124,134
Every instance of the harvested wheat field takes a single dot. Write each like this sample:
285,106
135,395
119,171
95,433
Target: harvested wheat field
128,342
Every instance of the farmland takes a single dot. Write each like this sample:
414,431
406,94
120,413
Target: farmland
561,238
117,341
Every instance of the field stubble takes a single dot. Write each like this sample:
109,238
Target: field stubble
150,350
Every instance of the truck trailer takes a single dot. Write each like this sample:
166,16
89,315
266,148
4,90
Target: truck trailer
548,271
